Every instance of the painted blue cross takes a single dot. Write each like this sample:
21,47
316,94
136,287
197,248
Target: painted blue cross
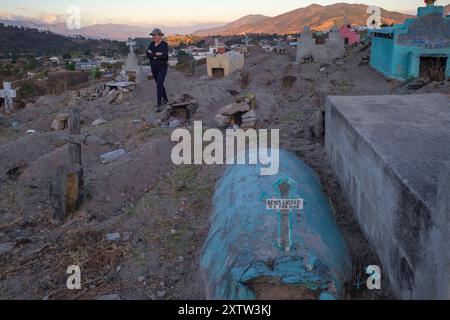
285,189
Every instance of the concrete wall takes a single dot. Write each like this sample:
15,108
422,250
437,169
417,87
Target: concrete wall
332,49
411,238
443,205
381,55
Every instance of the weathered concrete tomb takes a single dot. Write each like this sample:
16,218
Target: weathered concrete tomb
392,157
256,251
131,65
418,48
333,48
222,65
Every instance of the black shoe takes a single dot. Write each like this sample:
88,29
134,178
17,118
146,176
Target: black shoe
165,101
158,108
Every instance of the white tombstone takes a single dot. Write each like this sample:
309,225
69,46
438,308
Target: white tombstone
132,62
8,94
131,44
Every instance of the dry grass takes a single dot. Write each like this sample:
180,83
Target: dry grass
85,247
435,71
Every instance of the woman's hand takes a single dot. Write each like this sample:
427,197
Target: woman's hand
159,54
150,51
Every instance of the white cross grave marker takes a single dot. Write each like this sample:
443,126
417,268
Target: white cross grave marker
131,44
8,94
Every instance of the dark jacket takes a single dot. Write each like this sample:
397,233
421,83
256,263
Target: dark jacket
163,47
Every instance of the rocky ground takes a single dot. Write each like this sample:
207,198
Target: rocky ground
139,233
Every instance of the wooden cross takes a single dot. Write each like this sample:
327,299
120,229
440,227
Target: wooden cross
8,94
74,129
67,190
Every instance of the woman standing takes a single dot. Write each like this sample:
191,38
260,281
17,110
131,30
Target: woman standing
158,53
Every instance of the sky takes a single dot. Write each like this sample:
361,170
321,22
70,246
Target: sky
173,12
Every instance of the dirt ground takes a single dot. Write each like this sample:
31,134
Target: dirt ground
160,210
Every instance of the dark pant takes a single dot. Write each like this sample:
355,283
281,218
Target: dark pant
159,71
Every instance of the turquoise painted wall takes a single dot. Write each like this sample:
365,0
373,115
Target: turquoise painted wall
399,61
382,54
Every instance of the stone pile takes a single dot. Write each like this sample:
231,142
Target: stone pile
179,112
60,121
240,114
111,92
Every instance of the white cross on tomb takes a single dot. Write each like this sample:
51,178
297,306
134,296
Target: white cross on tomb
8,94
131,44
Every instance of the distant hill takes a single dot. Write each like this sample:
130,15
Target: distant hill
236,25
317,16
108,31
21,40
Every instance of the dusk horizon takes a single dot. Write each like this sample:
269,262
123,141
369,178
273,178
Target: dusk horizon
173,13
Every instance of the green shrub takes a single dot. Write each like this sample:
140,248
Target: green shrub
70,66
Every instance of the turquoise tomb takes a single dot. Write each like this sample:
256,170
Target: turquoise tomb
411,49
256,249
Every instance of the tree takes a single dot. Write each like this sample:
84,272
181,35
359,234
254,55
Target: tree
31,64
183,56
96,73
70,66
200,44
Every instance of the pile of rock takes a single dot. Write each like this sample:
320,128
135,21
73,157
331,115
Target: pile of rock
179,112
239,115
111,92
119,93
60,121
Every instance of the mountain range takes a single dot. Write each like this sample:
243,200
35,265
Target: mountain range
235,25
317,16
107,31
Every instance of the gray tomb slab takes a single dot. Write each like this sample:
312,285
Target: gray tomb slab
388,154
